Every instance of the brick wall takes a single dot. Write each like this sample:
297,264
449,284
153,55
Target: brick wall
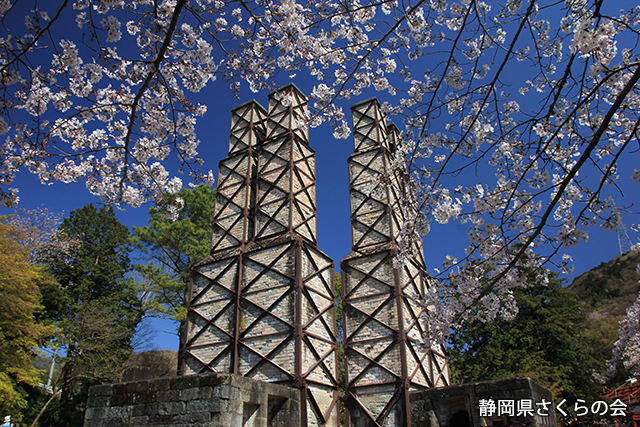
384,360
263,303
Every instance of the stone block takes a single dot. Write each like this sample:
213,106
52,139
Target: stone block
168,395
101,390
118,412
143,409
198,417
195,406
97,401
112,423
463,401
160,384
171,408
205,392
136,421
250,395
214,379
133,387
94,413
235,406
187,381
226,419
223,392
208,405
234,393
235,420
161,420
188,394
121,399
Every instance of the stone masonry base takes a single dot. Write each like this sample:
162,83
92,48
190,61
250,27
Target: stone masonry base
514,402
193,401
225,400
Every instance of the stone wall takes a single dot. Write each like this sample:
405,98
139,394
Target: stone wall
225,400
459,405
222,400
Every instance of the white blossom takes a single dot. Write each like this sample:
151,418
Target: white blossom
627,348
113,29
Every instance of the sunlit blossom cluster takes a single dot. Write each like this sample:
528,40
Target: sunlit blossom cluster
37,231
111,121
627,348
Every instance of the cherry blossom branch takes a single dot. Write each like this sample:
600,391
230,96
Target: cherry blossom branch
36,37
492,85
606,174
154,68
565,182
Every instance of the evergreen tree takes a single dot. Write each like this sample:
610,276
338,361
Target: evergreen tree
169,249
95,306
543,342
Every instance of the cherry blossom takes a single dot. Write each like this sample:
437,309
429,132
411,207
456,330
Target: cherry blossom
514,115
40,236
627,348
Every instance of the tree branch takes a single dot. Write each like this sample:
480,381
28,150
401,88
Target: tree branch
155,67
567,180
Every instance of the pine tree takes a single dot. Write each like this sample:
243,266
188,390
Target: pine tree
169,249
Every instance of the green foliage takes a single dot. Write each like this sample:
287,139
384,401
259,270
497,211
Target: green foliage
543,342
607,291
95,306
169,249
610,288
96,267
59,413
602,333
20,330
92,279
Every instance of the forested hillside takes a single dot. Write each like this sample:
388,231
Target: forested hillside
610,288
561,337
607,291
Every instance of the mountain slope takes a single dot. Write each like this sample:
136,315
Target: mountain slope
607,291
611,287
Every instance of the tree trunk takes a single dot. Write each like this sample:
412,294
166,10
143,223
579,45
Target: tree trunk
35,422
67,369
182,335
